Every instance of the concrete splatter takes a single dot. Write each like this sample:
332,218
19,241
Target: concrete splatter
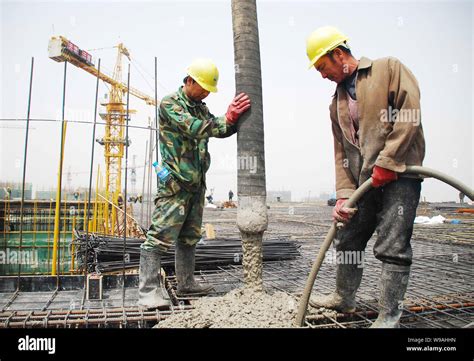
240,308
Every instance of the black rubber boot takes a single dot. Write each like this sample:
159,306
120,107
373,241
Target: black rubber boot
151,294
348,277
184,265
393,285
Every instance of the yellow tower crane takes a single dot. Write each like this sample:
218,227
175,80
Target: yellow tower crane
61,49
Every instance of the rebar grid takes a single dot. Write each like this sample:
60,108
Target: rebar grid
103,317
440,292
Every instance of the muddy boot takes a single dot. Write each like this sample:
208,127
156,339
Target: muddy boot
151,294
393,285
184,265
348,277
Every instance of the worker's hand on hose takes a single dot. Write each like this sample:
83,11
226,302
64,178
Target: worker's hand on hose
239,105
341,213
382,176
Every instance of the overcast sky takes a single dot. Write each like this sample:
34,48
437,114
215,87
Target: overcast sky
434,39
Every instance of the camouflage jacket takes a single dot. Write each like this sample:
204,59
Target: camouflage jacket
185,129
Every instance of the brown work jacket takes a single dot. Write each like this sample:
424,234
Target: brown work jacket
390,132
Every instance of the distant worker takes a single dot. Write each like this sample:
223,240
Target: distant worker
120,200
461,197
209,199
186,125
231,195
376,125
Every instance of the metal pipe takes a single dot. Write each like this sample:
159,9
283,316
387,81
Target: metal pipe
413,309
150,174
57,219
125,186
143,184
118,209
156,115
423,171
86,215
70,121
24,168
96,204
44,323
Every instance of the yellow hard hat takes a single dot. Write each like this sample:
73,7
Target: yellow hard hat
205,72
323,40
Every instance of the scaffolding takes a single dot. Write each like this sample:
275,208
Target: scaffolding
38,233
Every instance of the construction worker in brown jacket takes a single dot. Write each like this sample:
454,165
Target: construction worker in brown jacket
376,125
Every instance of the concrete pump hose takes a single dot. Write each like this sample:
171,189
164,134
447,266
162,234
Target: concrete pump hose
425,172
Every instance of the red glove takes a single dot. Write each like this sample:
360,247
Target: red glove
239,105
341,213
382,176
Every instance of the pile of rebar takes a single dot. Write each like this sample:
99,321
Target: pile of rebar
106,253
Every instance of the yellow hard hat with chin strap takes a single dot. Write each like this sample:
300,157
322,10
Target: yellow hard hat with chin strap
205,73
322,41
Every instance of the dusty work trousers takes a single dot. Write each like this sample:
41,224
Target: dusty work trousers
391,210
177,217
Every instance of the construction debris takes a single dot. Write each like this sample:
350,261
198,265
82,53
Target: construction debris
465,210
229,204
427,220
210,231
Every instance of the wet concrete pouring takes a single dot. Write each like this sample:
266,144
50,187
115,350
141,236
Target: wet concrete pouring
440,292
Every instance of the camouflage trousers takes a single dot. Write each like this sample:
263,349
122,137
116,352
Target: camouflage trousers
177,217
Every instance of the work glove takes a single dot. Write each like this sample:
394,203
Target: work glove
341,213
382,176
239,105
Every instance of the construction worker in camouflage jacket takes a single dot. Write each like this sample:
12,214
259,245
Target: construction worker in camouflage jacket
186,125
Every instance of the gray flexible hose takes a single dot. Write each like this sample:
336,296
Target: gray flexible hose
426,172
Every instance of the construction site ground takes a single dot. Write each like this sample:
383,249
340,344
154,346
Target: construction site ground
440,292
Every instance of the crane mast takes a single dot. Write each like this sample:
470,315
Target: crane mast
61,49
